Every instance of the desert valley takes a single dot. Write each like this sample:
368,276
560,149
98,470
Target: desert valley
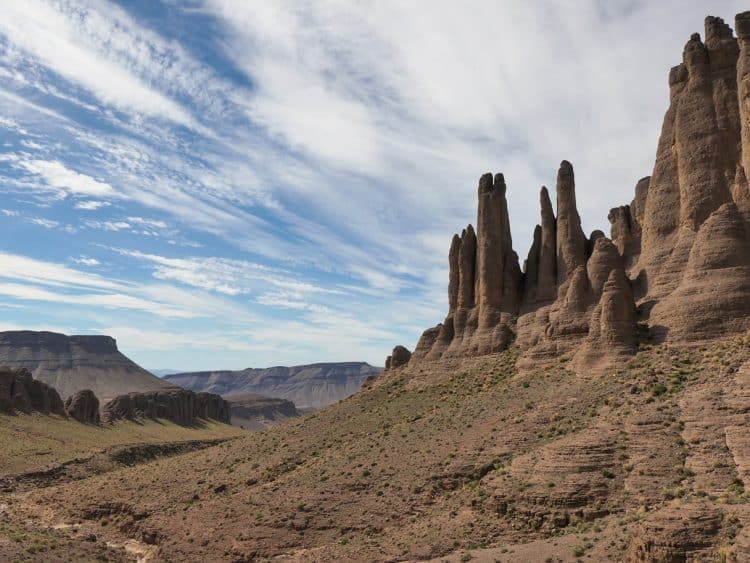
587,402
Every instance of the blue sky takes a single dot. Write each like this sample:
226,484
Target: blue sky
223,184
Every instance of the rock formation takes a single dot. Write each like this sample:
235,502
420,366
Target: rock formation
74,363
83,406
571,242
181,406
20,392
399,357
613,328
678,254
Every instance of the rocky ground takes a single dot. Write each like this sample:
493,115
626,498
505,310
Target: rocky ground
454,460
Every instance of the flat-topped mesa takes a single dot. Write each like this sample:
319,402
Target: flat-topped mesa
571,242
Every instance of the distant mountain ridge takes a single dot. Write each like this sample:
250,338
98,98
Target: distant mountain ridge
313,385
73,363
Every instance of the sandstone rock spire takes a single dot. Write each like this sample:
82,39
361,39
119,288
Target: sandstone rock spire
547,283
531,267
492,247
742,26
570,241
604,259
467,256
453,273
613,328
700,167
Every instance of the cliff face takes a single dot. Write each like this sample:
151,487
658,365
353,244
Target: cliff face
20,392
181,406
313,386
679,253
74,363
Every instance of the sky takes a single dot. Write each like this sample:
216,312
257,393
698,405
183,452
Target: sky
231,183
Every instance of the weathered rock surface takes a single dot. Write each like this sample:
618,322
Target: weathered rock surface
74,363
20,392
571,242
307,386
613,328
181,406
400,357
83,406
676,534
681,247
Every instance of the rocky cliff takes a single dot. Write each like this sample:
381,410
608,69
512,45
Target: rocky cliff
311,386
20,392
678,256
181,406
74,363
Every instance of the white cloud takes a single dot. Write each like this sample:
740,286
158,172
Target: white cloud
154,223
108,225
82,45
10,212
223,275
91,205
59,177
86,261
46,223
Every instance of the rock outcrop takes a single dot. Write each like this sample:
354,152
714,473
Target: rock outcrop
399,357
83,406
74,363
180,406
678,256
20,392
613,328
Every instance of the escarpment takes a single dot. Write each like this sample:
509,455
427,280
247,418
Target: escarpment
181,406
678,255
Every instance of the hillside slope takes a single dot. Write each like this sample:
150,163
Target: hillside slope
315,385
74,363
466,454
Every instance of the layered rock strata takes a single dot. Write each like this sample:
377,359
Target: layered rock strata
678,256
177,405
